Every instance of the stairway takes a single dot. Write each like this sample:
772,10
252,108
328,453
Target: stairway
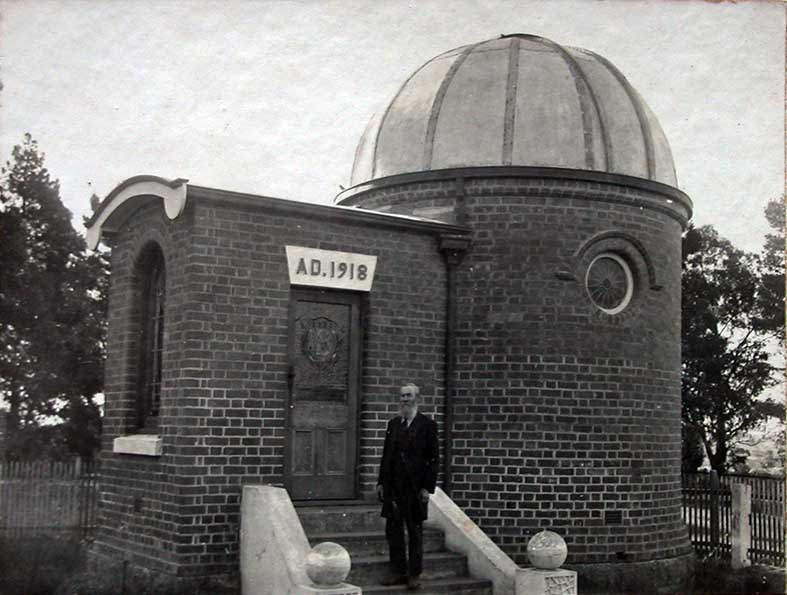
361,530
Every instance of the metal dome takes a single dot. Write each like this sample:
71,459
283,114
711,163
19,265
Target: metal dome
518,100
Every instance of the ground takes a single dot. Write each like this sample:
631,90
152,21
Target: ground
54,566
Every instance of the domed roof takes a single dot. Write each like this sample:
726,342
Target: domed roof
516,100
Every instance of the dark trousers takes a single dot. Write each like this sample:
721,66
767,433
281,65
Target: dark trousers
406,500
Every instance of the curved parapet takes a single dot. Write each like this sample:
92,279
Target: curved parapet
120,202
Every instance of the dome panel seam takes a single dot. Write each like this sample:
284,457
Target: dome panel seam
586,97
650,164
512,83
606,141
437,104
381,125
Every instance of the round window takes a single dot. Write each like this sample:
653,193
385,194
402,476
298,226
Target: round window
609,282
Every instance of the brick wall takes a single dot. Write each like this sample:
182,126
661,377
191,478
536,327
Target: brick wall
140,514
566,417
225,369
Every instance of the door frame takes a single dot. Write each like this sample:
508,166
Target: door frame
357,302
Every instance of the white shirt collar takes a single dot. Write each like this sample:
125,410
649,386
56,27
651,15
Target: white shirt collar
409,421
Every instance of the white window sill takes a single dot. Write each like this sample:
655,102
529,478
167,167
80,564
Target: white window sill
138,444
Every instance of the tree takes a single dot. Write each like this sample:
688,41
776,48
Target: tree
693,451
771,295
52,309
727,324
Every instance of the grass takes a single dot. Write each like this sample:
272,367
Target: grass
38,565
716,576
52,565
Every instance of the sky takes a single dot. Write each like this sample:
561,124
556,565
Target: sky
271,97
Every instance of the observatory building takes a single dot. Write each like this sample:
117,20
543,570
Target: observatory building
511,243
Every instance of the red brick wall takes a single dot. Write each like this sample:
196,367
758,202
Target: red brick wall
140,513
564,413
225,366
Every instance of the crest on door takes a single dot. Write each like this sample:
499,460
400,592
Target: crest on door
321,341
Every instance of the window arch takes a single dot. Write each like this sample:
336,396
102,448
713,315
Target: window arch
151,326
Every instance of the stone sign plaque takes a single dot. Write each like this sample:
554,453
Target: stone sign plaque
329,268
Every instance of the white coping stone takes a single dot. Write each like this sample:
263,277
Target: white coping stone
174,203
535,581
342,589
138,444
432,211
484,558
274,547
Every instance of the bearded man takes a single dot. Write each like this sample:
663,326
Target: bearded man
408,474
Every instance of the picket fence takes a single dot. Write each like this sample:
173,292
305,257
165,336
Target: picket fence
45,497
707,511
48,498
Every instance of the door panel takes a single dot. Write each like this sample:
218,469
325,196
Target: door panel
303,452
324,362
335,447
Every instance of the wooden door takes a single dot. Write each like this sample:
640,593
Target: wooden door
322,413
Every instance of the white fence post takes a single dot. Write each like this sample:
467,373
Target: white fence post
741,527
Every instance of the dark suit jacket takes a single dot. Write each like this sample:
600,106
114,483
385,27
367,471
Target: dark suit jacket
421,458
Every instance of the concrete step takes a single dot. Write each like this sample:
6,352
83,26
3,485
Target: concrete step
361,530
373,543
454,585
369,570
341,519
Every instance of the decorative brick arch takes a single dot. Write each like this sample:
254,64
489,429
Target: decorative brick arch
566,274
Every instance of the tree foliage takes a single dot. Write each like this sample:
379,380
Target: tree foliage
771,293
52,313
728,319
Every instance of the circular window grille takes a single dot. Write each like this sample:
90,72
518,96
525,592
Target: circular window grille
609,283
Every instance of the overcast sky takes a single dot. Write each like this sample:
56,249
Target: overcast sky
271,97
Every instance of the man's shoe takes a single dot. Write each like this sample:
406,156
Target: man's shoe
394,579
413,583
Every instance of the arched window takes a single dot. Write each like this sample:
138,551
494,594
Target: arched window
152,334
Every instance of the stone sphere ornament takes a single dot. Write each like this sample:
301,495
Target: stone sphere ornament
327,564
547,550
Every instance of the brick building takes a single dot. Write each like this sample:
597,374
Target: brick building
510,242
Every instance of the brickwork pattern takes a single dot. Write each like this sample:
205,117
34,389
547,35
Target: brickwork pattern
140,513
224,386
567,418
